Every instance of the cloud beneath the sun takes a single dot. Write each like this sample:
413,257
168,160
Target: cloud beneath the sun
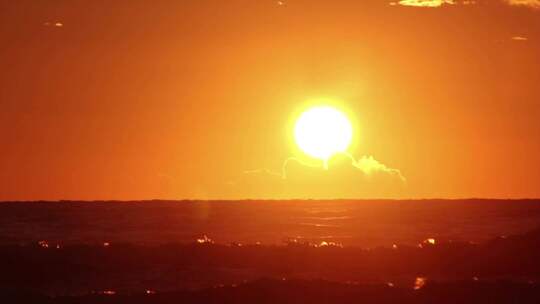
345,177
369,166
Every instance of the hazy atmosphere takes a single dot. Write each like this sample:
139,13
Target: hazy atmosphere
197,99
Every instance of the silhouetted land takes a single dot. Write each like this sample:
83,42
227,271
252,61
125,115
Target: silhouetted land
503,269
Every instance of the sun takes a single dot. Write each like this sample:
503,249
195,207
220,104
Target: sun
323,131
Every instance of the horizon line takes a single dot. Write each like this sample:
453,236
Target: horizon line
262,200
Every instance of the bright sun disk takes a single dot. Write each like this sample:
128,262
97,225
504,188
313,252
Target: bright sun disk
323,131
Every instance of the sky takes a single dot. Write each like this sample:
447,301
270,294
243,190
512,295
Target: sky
195,99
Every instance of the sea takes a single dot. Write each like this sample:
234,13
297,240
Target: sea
362,223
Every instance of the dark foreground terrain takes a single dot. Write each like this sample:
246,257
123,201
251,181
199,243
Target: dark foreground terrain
274,291
503,270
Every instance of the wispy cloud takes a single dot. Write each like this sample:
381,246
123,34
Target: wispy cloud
369,166
527,3
424,3
366,164
520,38
55,24
345,177
535,4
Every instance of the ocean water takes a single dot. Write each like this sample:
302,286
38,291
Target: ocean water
351,223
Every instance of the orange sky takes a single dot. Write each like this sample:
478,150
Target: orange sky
193,99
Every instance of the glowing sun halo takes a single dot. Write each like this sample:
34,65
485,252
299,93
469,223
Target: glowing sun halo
323,131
